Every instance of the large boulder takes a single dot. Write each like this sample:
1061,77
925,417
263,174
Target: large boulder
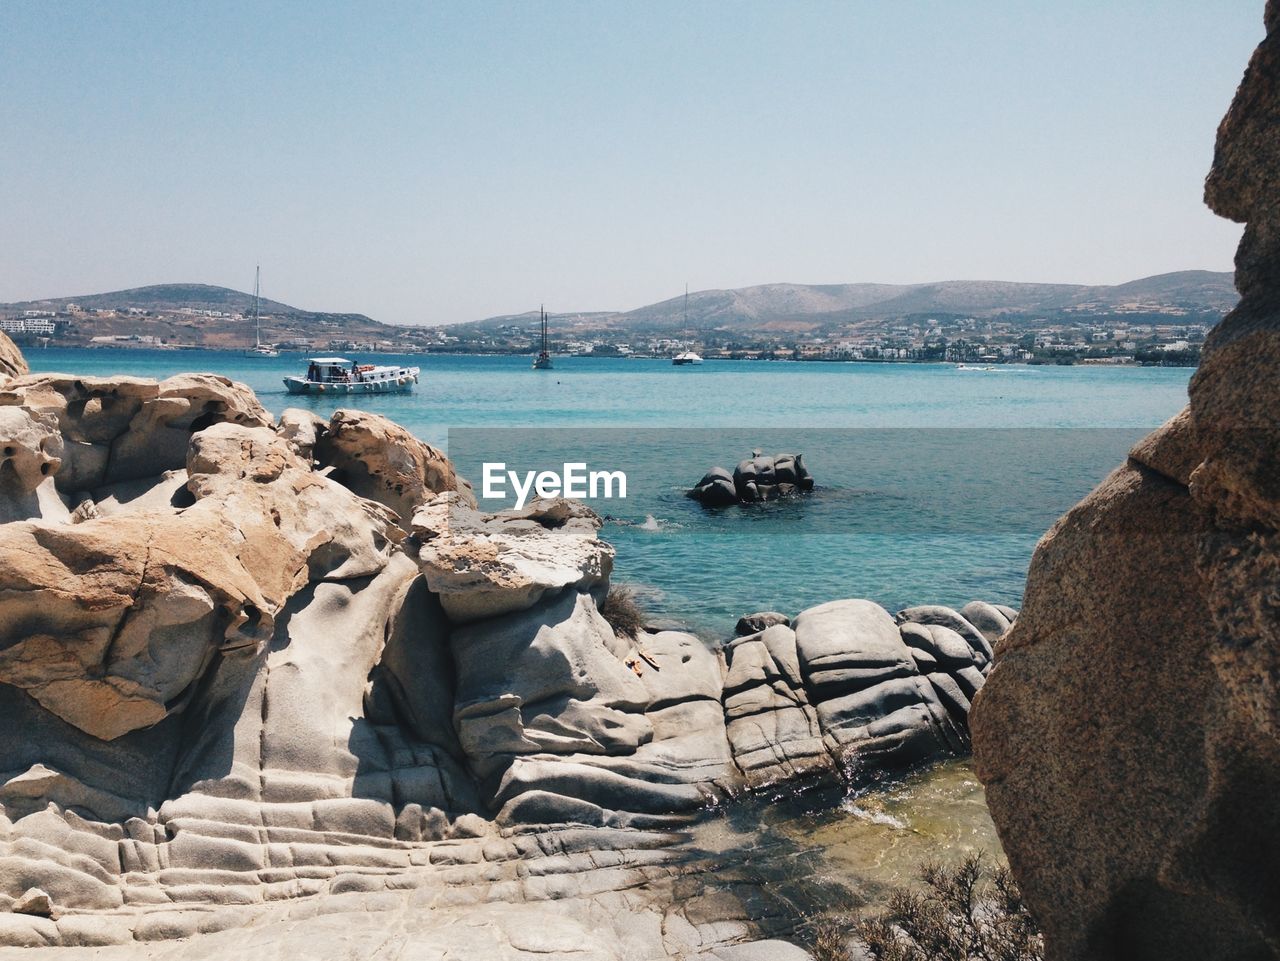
550,679
382,461
109,623
874,703
715,489
130,428
1129,734
301,429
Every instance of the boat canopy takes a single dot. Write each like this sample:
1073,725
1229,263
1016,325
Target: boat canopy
329,361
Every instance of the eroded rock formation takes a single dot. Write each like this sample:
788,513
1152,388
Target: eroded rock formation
257,666
1129,736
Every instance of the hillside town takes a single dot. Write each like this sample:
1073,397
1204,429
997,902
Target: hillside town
1146,334
1157,338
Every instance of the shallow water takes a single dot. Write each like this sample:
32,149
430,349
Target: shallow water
833,851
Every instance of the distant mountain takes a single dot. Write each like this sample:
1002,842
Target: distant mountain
198,315
796,308
169,297
171,313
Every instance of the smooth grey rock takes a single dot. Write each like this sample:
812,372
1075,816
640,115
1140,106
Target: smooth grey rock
549,679
772,727
848,645
987,618
946,617
948,649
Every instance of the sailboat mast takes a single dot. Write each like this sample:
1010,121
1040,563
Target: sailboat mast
257,320
686,311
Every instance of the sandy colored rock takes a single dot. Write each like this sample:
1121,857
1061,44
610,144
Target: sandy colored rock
12,363
126,428
30,457
301,429
34,901
382,461
1079,738
486,565
108,623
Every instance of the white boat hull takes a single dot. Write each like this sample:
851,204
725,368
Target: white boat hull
401,384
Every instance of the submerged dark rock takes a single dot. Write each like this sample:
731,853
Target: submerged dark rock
758,478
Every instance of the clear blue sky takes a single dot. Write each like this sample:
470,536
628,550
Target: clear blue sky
434,162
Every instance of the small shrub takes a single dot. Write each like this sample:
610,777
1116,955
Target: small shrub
964,915
830,942
622,612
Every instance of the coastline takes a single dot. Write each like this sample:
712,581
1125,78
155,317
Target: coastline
238,351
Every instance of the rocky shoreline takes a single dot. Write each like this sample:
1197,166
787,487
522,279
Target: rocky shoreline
269,672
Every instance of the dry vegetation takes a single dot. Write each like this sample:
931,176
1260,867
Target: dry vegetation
622,612
966,913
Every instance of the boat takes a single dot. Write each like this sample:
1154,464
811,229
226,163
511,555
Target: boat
259,349
337,375
688,357
543,360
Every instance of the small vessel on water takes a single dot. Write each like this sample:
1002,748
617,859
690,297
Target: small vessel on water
688,357
337,375
543,360
259,349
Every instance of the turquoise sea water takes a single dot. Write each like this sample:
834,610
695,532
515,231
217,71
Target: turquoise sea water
902,515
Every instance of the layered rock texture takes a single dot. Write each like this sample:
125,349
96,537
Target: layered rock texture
1129,736
271,680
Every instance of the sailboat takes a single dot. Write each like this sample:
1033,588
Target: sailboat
543,360
688,357
259,349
